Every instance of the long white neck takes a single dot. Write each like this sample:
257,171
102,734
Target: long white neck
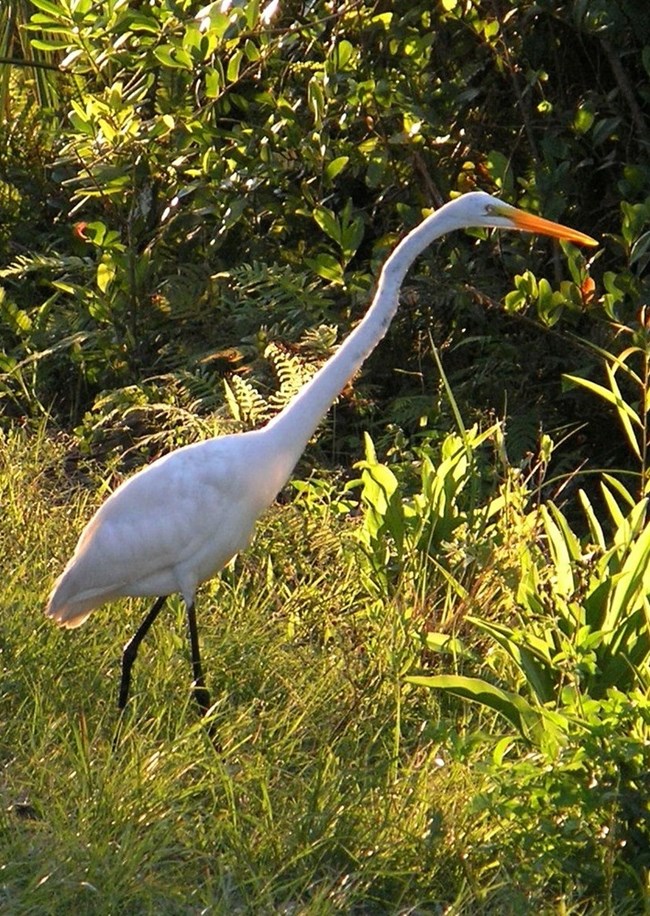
290,431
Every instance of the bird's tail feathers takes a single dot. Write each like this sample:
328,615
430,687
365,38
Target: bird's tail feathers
70,607
69,616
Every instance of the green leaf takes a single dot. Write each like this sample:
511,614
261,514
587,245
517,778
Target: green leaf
335,167
326,267
515,301
251,51
177,58
139,22
626,413
622,490
501,749
500,171
54,9
595,527
569,538
369,449
512,707
533,658
49,45
341,54
212,83
351,237
583,120
15,318
447,645
316,99
232,73
105,273
328,222
564,583
633,583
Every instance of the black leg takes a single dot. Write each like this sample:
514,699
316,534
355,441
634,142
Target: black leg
200,691
131,650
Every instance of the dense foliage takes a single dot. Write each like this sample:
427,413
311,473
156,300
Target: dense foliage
213,179
194,204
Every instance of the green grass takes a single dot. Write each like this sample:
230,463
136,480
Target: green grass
337,788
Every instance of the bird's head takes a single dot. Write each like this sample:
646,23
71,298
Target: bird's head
481,209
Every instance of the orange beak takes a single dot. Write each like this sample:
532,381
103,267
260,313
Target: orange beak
527,222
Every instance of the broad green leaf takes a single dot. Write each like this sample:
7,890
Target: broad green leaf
640,248
105,274
212,83
233,213
49,45
326,267
335,167
174,57
139,22
81,123
499,167
328,222
516,710
583,120
341,54
515,301
533,659
447,644
251,50
108,130
54,9
232,73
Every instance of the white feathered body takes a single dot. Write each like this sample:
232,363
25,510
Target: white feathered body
169,527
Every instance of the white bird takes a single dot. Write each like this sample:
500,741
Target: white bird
177,522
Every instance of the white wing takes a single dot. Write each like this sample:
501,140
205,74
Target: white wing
168,528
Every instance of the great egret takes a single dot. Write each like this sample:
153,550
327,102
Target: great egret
177,522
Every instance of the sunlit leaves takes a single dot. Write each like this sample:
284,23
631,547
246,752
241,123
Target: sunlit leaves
105,273
16,319
500,168
336,166
528,721
346,230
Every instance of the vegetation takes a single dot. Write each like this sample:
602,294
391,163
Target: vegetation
432,667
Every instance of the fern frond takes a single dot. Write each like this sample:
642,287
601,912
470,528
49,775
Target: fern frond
290,299
25,264
245,402
293,369
320,340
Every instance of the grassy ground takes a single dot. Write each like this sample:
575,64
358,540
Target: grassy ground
336,788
